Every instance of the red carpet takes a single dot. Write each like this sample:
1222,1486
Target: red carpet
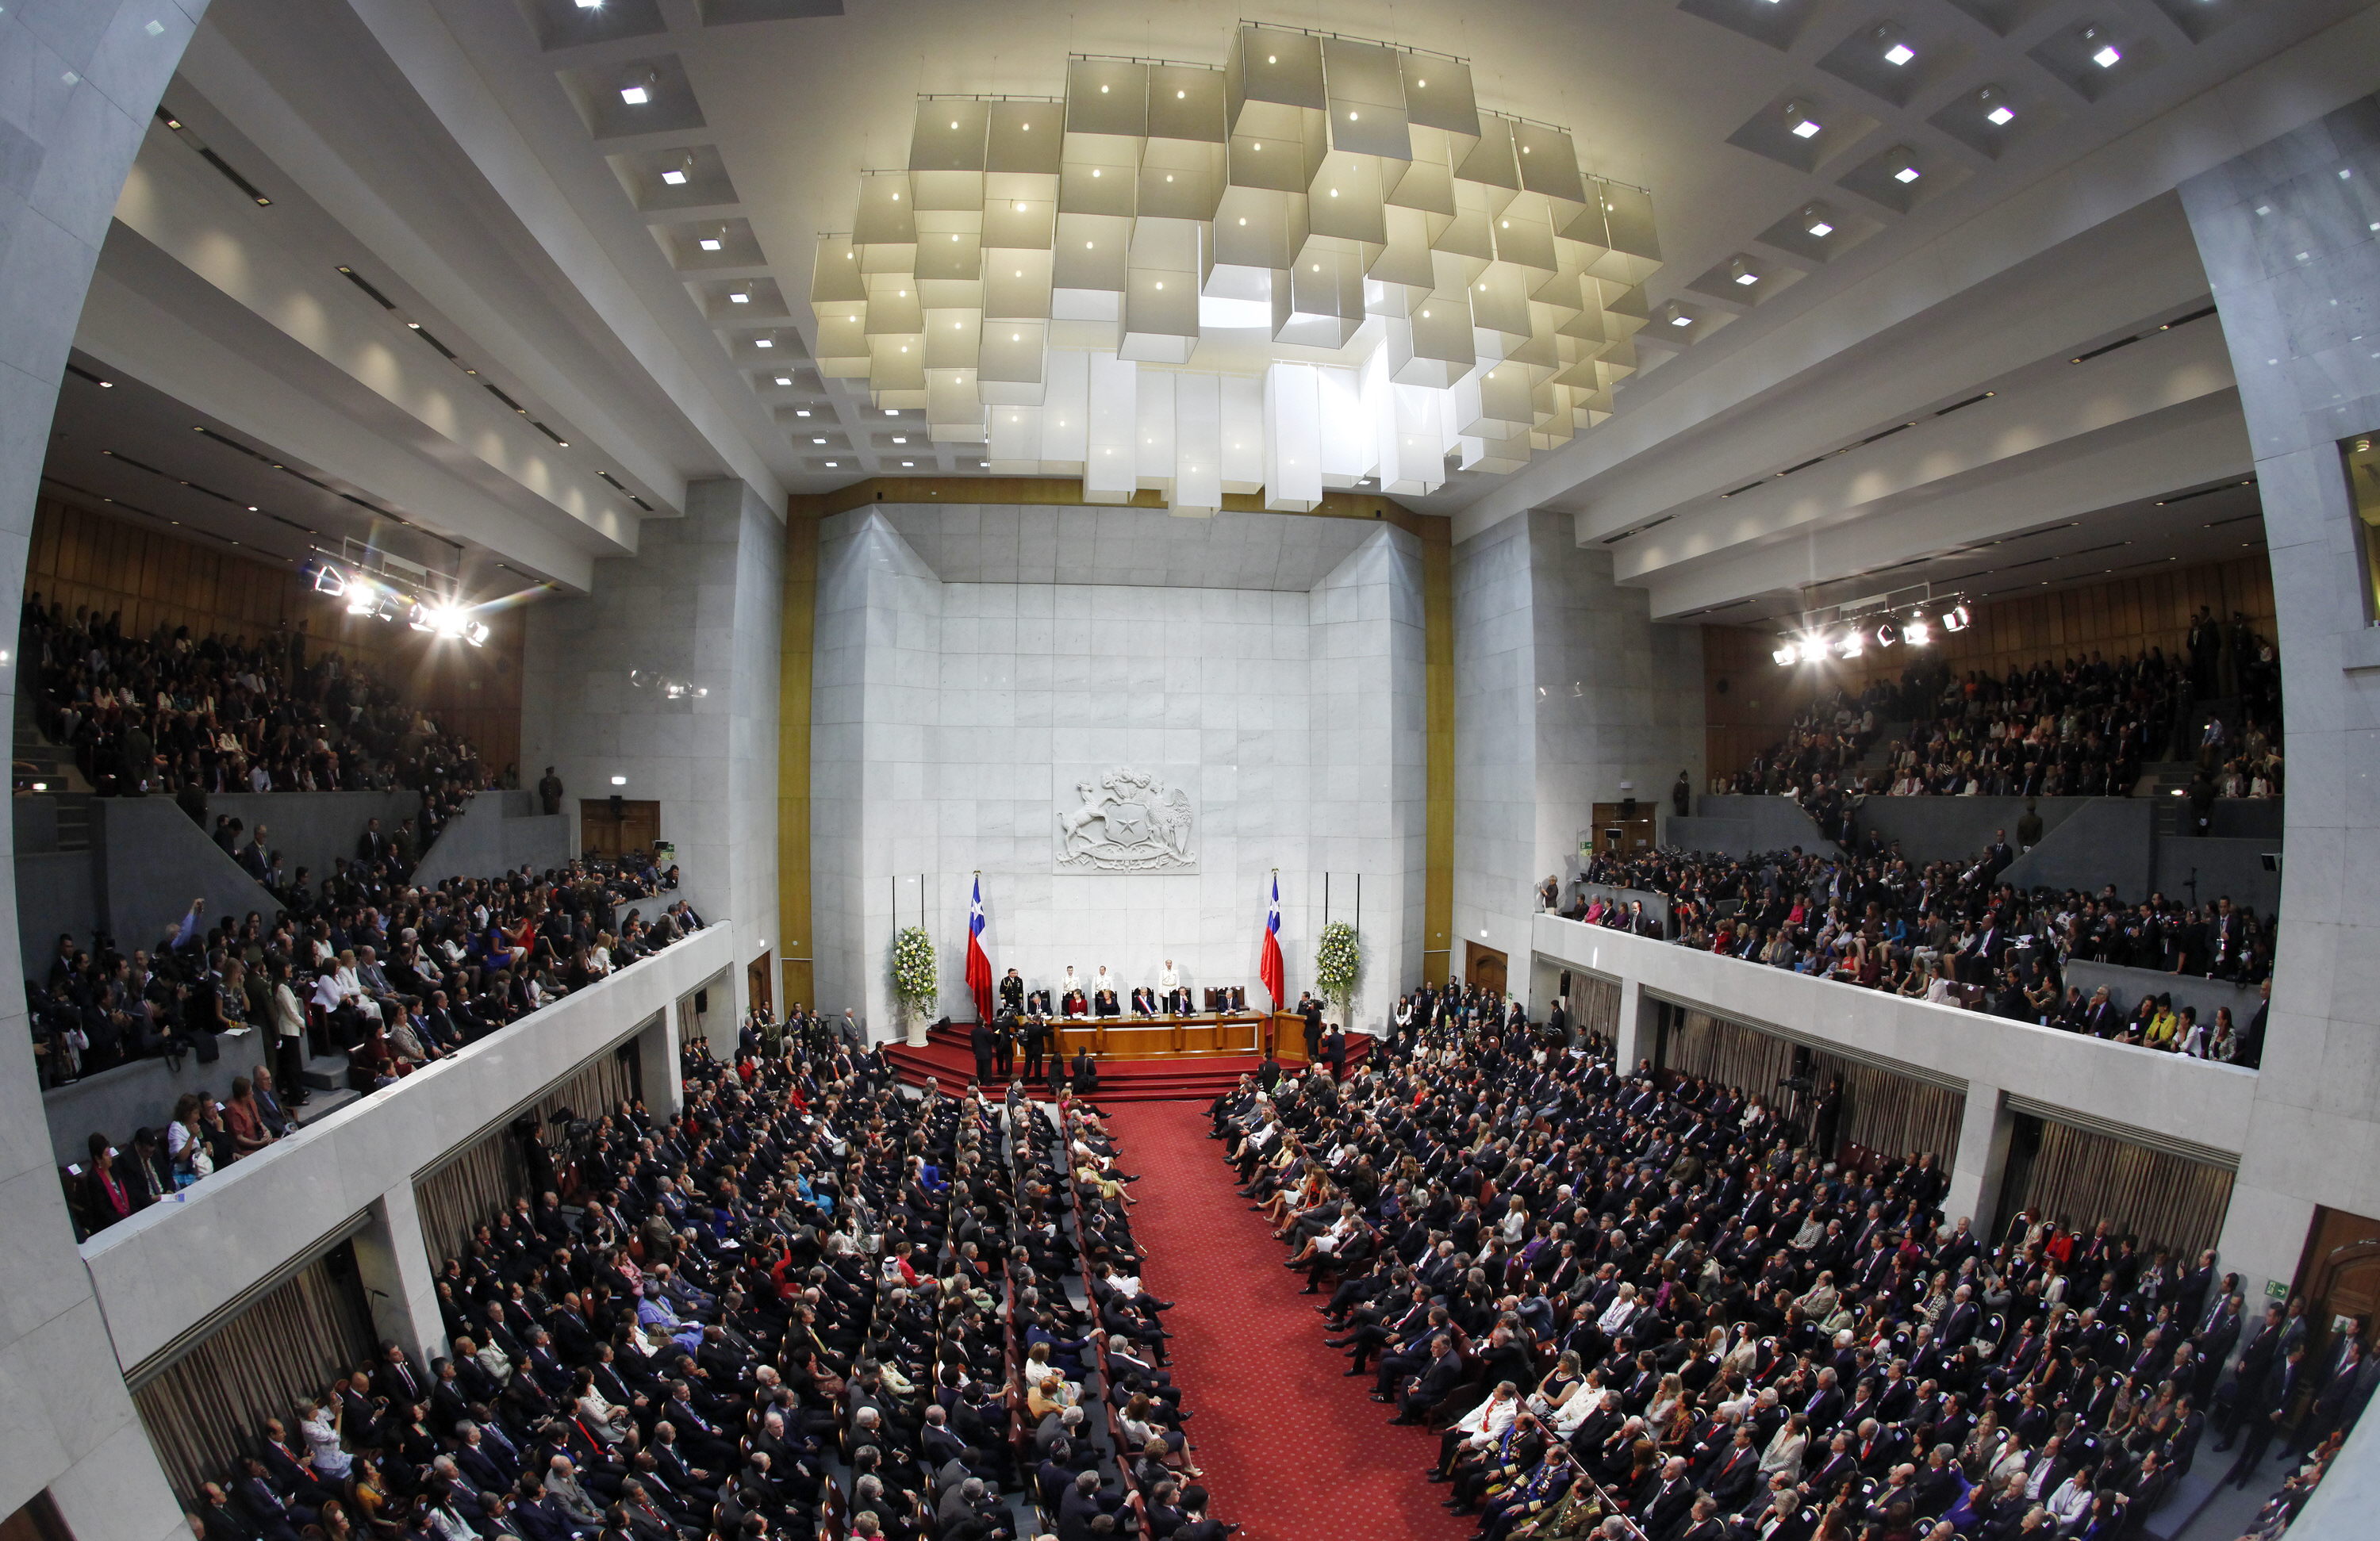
1294,1450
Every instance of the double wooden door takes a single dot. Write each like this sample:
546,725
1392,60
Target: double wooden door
614,826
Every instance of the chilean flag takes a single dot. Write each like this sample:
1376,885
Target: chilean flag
978,964
1268,966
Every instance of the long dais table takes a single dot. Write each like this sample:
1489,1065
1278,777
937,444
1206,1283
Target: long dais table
1189,1035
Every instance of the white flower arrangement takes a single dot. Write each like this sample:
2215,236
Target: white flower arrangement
913,981
1338,964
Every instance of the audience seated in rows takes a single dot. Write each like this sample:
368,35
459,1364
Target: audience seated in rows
392,988
802,1307
1949,932
174,712
1630,1304
2083,728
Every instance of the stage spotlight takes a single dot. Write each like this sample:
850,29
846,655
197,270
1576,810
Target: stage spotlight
1918,632
361,596
1786,655
1852,644
1887,634
1956,619
476,633
329,580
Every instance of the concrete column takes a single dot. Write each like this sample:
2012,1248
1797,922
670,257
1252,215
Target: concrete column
392,1261
1981,1160
90,76
657,1065
1638,1025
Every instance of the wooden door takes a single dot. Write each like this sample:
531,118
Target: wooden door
2339,1276
1484,966
1623,828
614,826
757,985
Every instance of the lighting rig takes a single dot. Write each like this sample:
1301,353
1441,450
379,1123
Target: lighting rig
1880,622
389,590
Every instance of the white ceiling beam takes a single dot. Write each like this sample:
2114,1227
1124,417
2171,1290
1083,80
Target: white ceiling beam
1702,386
408,246
156,345
178,210
2058,402
2201,440
613,263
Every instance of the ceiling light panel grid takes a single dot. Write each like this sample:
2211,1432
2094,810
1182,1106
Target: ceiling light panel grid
1314,265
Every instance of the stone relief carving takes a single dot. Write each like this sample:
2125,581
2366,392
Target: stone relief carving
1127,820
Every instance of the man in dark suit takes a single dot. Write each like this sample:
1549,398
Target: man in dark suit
1310,1010
1433,1386
1665,1513
979,1039
2268,1412
2255,1362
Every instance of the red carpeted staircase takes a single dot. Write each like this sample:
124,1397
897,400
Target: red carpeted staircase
947,1058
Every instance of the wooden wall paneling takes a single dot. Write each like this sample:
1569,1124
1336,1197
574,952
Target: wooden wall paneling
98,560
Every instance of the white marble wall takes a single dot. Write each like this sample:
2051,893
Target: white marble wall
1370,771
949,715
701,603
2290,237
1564,689
82,82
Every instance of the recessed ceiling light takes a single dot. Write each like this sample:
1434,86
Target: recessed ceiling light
1798,119
829,465
590,5
1907,174
1741,270
1899,54
912,461
892,411
2108,57
1817,221
709,243
818,441
739,298
983,465
788,380
764,342
636,93
674,176
1996,112
1680,316
900,439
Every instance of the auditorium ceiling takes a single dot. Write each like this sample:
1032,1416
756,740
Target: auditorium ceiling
565,201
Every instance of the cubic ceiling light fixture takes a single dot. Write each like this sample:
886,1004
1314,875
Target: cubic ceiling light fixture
1996,112
1799,118
2106,56
639,90
1678,315
1897,51
1908,172
676,176
1818,220
1291,274
1741,270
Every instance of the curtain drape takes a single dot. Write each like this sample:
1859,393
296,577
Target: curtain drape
472,1187
1884,1112
203,1410
2079,1177
1596,1005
